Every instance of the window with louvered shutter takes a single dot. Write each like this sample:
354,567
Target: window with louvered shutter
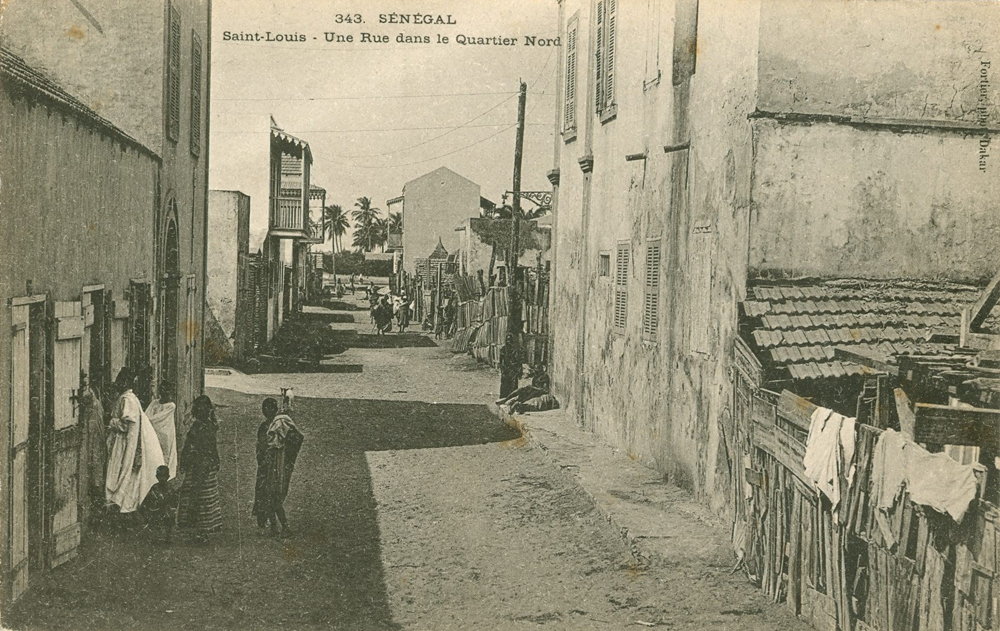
599,58
569,114
195,94
611,20
700,301
174,76
606,49
651,291
621,287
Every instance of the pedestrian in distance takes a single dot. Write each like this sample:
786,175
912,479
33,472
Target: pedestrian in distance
200,508
278,444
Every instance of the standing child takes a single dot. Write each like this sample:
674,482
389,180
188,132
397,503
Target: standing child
278,444
157,509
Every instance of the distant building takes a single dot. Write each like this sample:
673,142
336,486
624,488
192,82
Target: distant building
289,233
229,319
432,205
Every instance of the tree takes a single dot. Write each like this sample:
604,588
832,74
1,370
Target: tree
335,224
381,232
365,230
506,212
395,223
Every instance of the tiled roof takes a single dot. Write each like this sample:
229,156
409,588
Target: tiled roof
795,327
16,73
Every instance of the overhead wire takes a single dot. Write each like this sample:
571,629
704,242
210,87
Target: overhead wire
469,146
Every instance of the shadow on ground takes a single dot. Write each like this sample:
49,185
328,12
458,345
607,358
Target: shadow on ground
329,575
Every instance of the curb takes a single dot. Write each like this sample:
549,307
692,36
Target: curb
632,542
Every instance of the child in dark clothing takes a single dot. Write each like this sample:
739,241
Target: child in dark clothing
158,508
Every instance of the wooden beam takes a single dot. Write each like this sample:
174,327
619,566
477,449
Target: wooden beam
989,298
795,409
944,425
861,359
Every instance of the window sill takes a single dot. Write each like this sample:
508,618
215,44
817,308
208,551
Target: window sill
609,114
652,83
569,135
650,344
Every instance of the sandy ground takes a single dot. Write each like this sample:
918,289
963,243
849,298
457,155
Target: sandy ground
412,508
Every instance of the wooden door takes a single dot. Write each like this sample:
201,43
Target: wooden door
20,368
63,505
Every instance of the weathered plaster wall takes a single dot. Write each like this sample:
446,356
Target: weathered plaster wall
707,277
664,401
57,38
899,59
836,191
433,205
227,210
833,200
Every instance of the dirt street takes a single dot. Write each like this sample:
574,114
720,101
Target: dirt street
412,508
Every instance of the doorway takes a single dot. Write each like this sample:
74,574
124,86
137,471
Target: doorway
170,303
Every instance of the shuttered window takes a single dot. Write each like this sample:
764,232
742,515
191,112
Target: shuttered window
174,76
700,300
569,113
651,291
195,94
605,54
621,287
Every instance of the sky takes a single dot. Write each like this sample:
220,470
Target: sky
377,115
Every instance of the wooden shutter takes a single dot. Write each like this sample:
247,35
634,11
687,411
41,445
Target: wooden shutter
64,506
195,94
569,115
174,76
599,58
610,25
20,398
651,291
700,300
621,287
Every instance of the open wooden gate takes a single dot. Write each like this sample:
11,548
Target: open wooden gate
17,576
63,508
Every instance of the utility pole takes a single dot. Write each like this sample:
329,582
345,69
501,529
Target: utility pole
510,361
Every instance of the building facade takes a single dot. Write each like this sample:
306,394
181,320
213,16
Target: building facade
697,150
122,206
228,276
289,233
432,205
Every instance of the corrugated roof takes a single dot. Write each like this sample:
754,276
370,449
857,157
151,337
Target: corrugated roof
797,325
17,74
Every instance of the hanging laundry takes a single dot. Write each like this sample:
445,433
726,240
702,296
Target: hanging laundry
830,452
934,480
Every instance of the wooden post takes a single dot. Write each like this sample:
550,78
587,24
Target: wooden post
510,365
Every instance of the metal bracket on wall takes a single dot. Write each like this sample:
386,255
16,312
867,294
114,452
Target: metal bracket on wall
677,147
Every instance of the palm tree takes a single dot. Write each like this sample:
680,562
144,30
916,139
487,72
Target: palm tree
395,223
335,224
380,232
364,220
506,212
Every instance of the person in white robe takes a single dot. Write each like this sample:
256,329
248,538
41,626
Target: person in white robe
161,413
133,448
